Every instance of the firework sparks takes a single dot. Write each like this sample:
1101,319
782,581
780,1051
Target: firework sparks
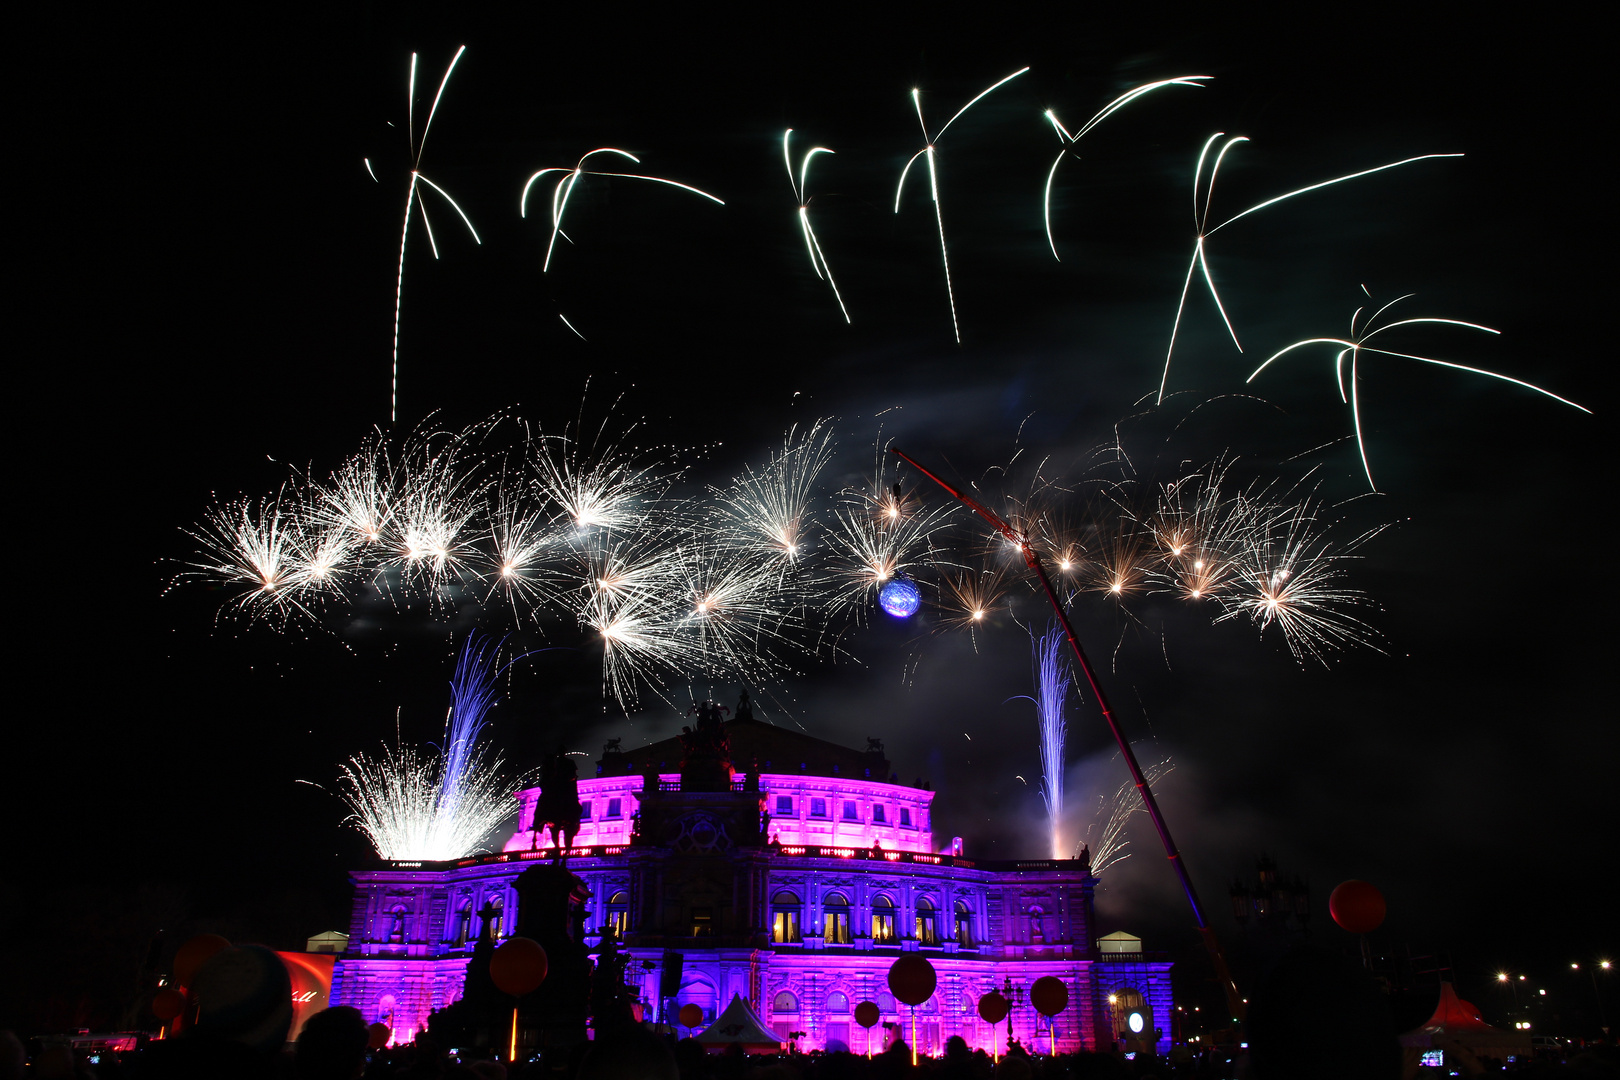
1072,139
1203,195
570,179
254,543
800,184
877,534
1053,682
767,511
414,201
1105,833
930,153
1353,348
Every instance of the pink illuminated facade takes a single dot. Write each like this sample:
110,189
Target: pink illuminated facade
796,884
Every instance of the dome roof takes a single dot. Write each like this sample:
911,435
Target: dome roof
757,747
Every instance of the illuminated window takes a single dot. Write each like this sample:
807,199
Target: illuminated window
837,914
905,817
702,922
618,912
785,1002
837,1003
784,806
964,925
492,924
879,816
584,811
884,1002
927,922
613,810
882,919
851,811
461,923
784,917
818,807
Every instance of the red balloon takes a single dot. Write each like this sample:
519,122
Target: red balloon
518,966
690,1015
168,1003
867,1015
912,978
1049,995
377,1036
993,1008
1357,906
194,953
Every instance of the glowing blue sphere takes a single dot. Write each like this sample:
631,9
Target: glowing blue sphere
900,598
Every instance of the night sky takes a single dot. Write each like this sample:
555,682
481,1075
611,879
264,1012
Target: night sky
207,276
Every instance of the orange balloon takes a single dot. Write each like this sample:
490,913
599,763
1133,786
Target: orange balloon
518,966
1049,995
912,978
691,1015
168,1003
377,1036
867,1014
194,953
993,1008
1357,906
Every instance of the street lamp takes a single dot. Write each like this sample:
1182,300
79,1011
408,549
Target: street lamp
1591,972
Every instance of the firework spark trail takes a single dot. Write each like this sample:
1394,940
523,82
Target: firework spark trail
256,543
1200,531
394,799
800,185
413,199
768,511
1052,684
525,543
565,188
877,534
1201,208
1072,139
472,694
928,151
1105,833
1354,346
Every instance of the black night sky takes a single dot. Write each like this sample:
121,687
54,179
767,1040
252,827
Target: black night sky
206,275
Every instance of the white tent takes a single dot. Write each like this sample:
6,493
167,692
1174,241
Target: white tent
740,1024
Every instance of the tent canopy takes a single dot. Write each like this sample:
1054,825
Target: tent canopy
740,1024
1456,1022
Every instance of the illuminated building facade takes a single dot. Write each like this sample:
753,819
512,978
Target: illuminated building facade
750,859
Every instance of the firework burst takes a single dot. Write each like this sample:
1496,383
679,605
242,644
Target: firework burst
1355,347
800,184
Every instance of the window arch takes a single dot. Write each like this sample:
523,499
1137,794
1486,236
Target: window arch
964,925
785,1002
836,908
461,922
882,919
492,917
885,1002
618,913
837,1003
927,922
785,911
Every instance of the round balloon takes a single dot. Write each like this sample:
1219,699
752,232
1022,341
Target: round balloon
1049,995
912,979
193,954
690,1015
900,598
518,966
168,1003
867,1015
377,1036
993,1008
1357,906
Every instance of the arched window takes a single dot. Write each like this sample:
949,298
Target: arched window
837,1003
885,1002
964,925
618,913
927,922
1132,1017
882,919
492,918
785,1002
461,922
836,907
784,917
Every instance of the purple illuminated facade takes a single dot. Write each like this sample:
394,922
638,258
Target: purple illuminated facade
794,876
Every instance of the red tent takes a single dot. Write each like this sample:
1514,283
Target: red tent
1456,1026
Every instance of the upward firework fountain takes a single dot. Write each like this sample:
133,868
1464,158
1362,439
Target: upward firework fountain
1052,684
